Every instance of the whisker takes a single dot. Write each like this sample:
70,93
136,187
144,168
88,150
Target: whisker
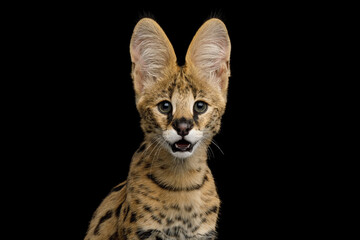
213,142
148,147
207,148
217,147
159,143
211,151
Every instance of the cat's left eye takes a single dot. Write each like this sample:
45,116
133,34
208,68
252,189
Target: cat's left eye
200,107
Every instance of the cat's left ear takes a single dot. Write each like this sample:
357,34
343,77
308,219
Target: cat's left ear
208,55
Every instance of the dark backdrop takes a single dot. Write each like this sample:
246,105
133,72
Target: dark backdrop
90,126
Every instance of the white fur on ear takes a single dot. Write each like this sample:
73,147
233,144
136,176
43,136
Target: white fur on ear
151,53
209,52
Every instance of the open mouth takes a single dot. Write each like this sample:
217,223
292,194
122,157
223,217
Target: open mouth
182,146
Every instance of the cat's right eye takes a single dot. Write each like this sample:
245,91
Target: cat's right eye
165,107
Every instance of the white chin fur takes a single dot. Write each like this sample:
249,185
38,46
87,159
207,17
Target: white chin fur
181,154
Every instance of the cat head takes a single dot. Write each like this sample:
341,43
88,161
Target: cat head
180,107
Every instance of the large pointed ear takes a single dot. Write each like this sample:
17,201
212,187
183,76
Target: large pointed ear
208,55
152,54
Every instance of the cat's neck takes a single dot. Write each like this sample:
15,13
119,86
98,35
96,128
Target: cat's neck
170,172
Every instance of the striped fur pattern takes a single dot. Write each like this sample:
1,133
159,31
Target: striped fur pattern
170,192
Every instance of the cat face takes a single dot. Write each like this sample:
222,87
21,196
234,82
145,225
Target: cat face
181,113
180,107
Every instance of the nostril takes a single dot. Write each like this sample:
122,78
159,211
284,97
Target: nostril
182,126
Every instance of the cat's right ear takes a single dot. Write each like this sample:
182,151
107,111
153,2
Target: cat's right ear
152,54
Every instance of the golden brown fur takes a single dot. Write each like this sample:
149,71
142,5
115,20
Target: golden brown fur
170,195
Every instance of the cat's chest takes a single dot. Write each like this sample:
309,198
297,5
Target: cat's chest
181,227
182,217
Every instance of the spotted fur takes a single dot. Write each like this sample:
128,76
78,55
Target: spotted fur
170,195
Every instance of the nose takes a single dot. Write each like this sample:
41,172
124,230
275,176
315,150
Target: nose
183,126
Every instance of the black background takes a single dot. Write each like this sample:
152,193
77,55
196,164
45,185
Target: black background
87,127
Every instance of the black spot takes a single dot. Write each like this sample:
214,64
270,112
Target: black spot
148,165
169,221
190,84
133,217
141,160
118,209
175,207
144,194
178,218
107,215
155,218
148,209
154,198
158,238
196,118
169,117
174,231
185,221
195,229
148,116
188,208
126,211
171,88
115,236
163,167
145,234
210,235
168,232
206,178
211,210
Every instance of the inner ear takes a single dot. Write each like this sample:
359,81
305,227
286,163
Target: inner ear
151,53
209,52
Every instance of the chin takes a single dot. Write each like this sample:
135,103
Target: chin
181,155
